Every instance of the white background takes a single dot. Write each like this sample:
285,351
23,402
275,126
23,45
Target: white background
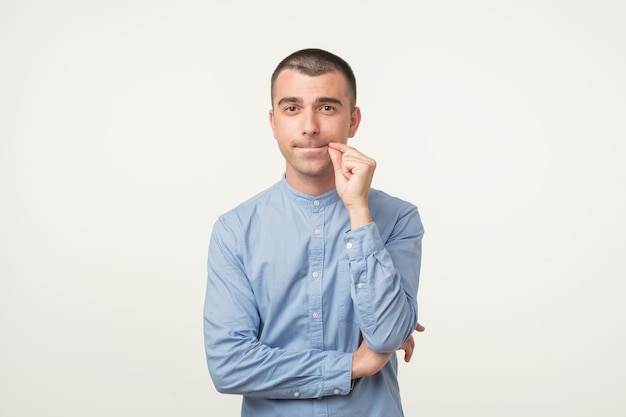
127,127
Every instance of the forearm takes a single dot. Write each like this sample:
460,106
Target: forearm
384,283
387,315
242,365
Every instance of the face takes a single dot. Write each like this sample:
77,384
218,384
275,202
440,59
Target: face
307,113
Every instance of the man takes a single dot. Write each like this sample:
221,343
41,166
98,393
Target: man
312,283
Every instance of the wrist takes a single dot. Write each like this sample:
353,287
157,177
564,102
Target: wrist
359,216
357,372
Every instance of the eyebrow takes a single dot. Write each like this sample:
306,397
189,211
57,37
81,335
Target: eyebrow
319,100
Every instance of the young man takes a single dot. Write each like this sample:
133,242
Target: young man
312,283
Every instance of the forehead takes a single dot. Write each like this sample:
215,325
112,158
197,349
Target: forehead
291,83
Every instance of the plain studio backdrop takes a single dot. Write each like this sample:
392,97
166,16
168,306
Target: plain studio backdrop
128,127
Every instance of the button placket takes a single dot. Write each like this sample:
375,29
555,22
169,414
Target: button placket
316,271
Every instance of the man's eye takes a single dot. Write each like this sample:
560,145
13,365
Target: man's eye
327,108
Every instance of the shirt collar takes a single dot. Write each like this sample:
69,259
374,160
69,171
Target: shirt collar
323,200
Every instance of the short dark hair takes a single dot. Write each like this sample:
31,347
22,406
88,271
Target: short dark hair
312,62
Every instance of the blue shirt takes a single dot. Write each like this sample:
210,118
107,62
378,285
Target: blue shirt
292,292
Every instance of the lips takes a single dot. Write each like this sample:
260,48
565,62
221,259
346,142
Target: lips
310,145
313,151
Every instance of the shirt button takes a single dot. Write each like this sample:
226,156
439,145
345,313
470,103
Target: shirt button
316,203
315,315
296,394
316,232
359,285
349,245
336,391
315,274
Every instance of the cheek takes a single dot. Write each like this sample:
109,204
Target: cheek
335,127
281,127
283,139
346,129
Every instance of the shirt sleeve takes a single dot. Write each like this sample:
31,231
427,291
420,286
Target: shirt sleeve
238,363
385,279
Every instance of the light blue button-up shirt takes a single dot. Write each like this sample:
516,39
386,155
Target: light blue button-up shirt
292,292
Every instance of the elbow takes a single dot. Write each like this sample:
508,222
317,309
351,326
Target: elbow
220,387
224,375
390,338
231,364
224,380
224,388
387,345
387,342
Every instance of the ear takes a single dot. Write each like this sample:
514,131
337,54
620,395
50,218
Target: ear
355,120
271,117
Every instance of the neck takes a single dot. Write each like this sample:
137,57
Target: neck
312,186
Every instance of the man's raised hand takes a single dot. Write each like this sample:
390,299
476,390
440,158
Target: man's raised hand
353,178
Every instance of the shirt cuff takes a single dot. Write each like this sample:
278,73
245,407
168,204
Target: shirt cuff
337,374
363,241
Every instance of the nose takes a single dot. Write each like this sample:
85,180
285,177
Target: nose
310,123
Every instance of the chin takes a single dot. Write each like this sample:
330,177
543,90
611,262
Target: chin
318,171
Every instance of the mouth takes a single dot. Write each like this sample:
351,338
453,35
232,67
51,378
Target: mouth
313,151
311,145
313,148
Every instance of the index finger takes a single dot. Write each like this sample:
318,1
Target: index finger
341,147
